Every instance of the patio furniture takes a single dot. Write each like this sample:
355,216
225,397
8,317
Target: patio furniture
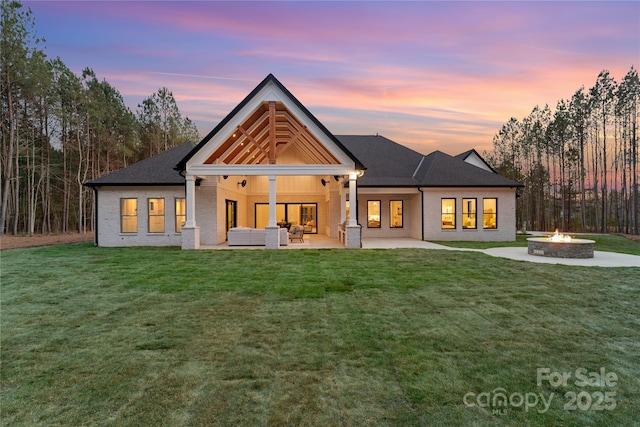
342,232
297,233
284,234
284,224
240,236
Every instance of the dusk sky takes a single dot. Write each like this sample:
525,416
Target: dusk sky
429,75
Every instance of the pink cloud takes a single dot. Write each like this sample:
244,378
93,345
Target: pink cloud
428,73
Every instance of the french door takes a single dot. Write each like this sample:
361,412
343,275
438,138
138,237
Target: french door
231,214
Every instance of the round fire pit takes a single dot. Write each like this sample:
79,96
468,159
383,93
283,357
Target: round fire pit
575,248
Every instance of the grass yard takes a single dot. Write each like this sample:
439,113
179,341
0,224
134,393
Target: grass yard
604,242
160,336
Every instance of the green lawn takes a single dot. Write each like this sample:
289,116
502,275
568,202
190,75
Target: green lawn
604,242
148,336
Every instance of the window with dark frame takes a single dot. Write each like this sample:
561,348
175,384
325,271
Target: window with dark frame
469,213
181,213
129,215
156,215
448,214
373,213
490,213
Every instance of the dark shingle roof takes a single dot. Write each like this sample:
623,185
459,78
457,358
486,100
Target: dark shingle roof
392,165
156,170
442,170
388,163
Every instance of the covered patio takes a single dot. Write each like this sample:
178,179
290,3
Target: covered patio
268,153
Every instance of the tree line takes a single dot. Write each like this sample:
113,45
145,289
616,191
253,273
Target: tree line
578,163
60,130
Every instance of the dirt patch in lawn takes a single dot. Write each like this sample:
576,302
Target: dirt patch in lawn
633,237
15,242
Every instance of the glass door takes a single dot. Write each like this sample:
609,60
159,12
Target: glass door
290,214
262,215
231,216
309,217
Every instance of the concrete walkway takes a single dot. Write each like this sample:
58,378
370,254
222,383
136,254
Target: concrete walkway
600,258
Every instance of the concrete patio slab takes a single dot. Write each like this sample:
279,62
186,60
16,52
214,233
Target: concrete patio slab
600,258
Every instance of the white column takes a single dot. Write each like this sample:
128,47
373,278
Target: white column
190,231
343,205
353,203
191,201
272,231
273,221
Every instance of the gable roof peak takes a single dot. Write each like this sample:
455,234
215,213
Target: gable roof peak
281,94
474,158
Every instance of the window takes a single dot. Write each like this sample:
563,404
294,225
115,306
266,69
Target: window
395,214
373,213
348,210
448,213
490,213
469,213
181,213
128,215
156,215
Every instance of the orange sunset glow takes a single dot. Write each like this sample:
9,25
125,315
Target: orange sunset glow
430,75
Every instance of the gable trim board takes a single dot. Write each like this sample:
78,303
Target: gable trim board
296,161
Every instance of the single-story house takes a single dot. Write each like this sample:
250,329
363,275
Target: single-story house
271,164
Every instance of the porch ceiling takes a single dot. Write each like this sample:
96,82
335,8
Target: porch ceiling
265,135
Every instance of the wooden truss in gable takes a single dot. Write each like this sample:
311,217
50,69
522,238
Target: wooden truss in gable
265,135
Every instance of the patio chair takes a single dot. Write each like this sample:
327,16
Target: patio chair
297,233
308,226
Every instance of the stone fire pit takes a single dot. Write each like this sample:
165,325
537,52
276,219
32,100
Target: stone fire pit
559,246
